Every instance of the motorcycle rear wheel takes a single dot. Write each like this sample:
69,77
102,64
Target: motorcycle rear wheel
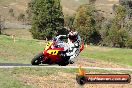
37,59
63,63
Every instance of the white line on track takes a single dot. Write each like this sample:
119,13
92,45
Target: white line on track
54,66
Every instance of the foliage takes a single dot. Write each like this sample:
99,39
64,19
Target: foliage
47,18
104,32
116,33
128,6
129,43
1,24
126,3
123,25
117,38
69,21
128,27
85,23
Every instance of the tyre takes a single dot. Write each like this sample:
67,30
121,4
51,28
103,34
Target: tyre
37,59
63,64
81,80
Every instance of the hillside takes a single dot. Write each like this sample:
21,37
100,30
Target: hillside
18,6
23,50
69,7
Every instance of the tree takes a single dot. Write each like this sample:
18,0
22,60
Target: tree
126,3
128,6
85,23
128,28
117,35
104,32
47,18
69,20
114,7
129,43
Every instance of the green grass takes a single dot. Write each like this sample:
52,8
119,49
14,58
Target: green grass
115,55
10,77
8,80
26,48
43,71
22,51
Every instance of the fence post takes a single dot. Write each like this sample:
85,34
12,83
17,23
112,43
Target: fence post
14,39
86,45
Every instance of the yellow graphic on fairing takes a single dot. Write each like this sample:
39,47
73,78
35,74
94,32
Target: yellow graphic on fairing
53,52
47,45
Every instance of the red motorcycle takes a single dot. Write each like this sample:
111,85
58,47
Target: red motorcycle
52,55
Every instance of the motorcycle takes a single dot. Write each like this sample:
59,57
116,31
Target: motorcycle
52,55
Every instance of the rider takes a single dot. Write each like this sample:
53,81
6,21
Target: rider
72,47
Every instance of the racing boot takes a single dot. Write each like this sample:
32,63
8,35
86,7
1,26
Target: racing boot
71,62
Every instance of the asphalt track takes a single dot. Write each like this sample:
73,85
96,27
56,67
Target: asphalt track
18,65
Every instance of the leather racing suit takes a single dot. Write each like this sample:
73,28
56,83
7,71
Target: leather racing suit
72,48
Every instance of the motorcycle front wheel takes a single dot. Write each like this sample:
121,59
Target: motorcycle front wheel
37,59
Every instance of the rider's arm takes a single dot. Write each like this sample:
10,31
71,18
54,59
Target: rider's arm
61,37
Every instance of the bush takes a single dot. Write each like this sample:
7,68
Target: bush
85,23
69,21
129,43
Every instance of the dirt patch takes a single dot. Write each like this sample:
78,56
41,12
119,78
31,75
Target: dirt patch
11,57
61,80
64,80
97,63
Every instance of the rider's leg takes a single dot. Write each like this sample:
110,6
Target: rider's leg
73,55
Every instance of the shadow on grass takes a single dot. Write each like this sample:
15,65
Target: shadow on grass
20,64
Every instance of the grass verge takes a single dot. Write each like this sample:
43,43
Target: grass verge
22,51
47,77
115,55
